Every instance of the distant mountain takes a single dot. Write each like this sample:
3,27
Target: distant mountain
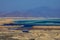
11,14
2,13
44,12
36,12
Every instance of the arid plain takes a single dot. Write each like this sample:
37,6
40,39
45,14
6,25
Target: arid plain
43,32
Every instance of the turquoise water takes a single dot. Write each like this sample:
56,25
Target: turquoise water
48,22
29,23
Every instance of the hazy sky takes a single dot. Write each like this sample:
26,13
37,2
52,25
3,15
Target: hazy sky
12,5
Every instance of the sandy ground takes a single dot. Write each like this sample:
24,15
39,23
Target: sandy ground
33,34
51,34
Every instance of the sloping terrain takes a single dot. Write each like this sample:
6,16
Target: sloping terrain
35,12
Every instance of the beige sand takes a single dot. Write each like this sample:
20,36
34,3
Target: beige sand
33,34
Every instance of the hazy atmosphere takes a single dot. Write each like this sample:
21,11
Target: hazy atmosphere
30,8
